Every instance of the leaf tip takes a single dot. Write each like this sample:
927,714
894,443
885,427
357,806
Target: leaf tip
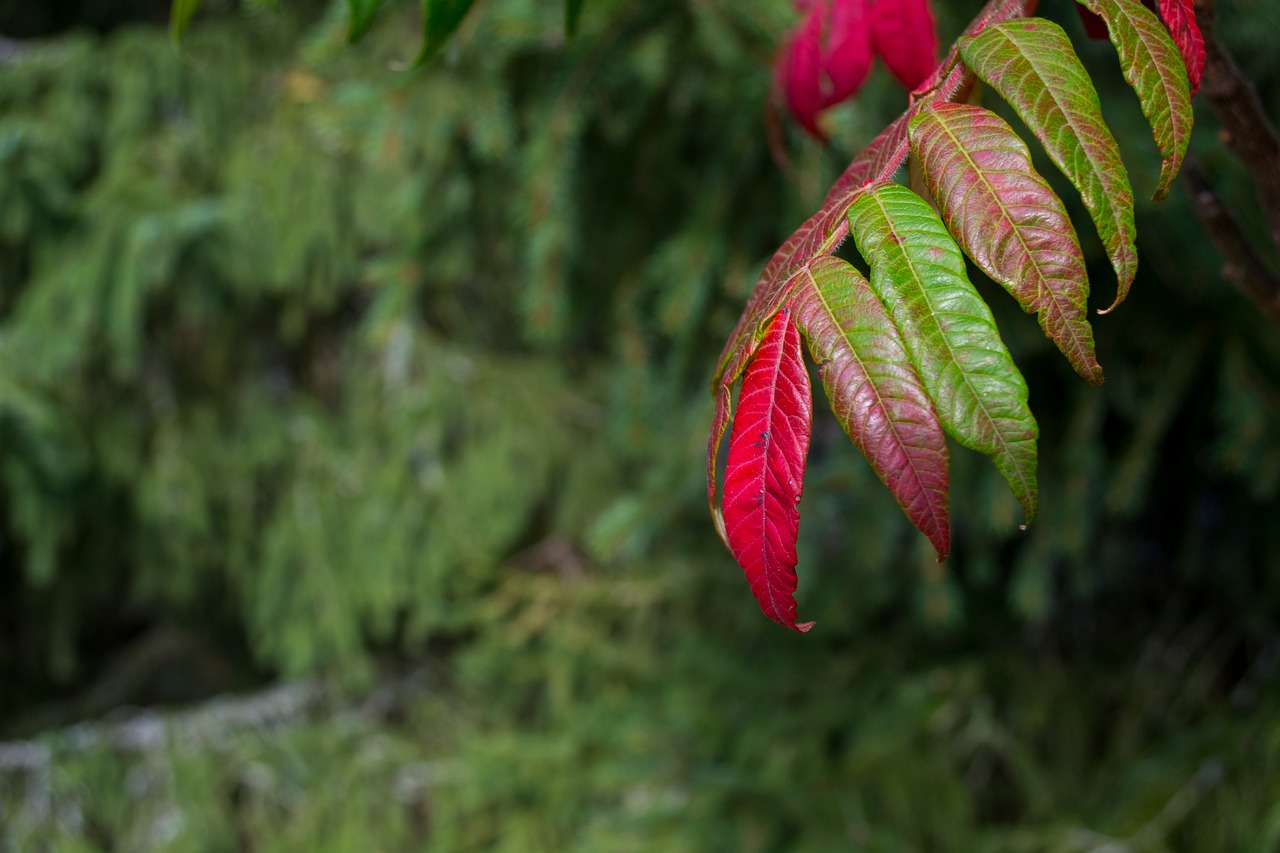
803,627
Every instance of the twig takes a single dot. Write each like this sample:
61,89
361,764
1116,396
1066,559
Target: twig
1245,126
1242,266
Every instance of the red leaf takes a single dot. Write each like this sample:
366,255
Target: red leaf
799,70
1180,17
847,59
902,32
764,477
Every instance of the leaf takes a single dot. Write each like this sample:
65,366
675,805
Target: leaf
1031,65
822,233
875,393
362,13
918,273
903,34
764,476
799,71
439,20
180,14
1180,17
572,14
1007,218
1153,67
847,58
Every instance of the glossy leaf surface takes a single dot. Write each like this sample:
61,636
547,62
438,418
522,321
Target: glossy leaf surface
1031,64
1008,220
918,272
1180,17
1153,66
764,475
875,392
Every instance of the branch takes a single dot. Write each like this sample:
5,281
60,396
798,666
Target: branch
1242,266
280,707
1245,127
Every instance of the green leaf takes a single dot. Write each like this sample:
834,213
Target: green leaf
1031,65
1008,220
1154,68
180,15
874,391
362,14
918,272
572,13
439,20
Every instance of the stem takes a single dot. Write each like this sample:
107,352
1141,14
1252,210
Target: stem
1245,127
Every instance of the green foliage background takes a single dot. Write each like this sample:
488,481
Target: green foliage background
387,387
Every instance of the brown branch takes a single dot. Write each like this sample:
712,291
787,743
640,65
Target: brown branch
1245,127
1242,266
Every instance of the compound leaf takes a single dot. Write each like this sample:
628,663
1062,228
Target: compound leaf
875,393
764,476
1008,220
1031,65
918,272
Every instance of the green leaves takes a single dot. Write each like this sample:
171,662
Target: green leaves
918,272
1008,220
915,352
1032,66
875,392
1153,66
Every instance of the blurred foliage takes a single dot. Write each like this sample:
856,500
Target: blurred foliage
314,367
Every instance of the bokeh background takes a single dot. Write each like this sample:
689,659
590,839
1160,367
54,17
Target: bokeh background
352,421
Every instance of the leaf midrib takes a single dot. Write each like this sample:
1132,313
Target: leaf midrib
980,403
893,424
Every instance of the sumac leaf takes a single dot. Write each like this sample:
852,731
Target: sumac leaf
439,20
1180,17
798,73
847,58
1153,66
1008,220
764,476
1031,65
903,34
824,231
918,272
874,391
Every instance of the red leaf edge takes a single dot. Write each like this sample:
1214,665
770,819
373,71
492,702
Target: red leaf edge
1180,17
764,477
